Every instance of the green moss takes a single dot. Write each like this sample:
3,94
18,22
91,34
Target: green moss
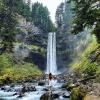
13,72
5,60
36,48
84,64
69,86
76,94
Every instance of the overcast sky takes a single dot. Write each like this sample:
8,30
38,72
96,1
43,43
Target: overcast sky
52,6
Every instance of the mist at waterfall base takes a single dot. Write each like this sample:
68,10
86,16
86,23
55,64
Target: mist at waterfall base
51,54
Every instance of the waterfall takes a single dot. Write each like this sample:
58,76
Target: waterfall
51,54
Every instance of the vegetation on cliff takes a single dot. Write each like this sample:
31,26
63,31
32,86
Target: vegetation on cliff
87,15
12,72
84,62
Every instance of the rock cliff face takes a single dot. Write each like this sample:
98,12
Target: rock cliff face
31,43
26,29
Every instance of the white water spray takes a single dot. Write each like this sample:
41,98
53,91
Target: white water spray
51,54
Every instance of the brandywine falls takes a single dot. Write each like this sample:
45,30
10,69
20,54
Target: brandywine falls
49,49
51,54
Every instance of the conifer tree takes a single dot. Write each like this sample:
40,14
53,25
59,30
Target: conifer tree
87,14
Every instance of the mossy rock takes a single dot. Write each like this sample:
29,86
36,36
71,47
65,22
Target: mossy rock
77,94
69,86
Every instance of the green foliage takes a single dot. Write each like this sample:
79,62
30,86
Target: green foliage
41,18
16,72
24,10
77,94
22,72
37,49
87,14
68,86
20,7
83,63
91,69
5,60
7,25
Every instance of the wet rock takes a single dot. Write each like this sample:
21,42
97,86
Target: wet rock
15,94
21,95
69,86
49,96
12,85
6,88
55,96
9,90
45,89
46,96
32,88
66,95
28,88
17,89
41,83
3,88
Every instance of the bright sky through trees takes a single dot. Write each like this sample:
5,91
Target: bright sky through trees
52,6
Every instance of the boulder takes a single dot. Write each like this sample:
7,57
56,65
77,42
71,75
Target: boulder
21,95
49,96
15,94
28,89
6,88
45,89
55,96
66,95
46,96
69,86
41,83
32,88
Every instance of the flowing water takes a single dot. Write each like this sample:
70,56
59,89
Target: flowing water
12,93
51,54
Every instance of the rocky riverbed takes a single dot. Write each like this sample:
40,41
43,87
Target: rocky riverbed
34,91
80,86
67,86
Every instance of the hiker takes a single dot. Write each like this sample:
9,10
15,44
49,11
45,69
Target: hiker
50,76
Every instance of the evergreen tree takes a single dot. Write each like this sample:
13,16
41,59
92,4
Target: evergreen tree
87,14
20,7
64,17
59,16
7,24
41,18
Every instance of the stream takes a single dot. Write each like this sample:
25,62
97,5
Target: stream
9,92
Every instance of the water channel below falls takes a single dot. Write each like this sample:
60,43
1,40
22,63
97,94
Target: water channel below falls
14,92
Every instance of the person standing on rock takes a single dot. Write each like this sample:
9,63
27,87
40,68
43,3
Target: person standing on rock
50,76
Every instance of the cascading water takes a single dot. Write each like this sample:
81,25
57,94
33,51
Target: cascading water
51,54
